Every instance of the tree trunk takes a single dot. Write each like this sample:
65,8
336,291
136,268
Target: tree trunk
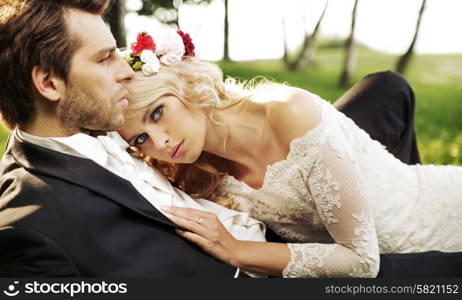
285,58
306,56
404,60
350,52
115,18
226,38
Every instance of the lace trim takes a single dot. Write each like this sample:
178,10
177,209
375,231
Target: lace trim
307,260
323,187
365,247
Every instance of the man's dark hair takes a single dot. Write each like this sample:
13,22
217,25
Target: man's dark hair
34,33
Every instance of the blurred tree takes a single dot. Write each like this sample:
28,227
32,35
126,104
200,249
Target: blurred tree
306,56
404,60
115,17
350,51
285,58
163,10
166,11
226,39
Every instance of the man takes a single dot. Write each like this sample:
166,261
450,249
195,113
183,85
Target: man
63,211
71,204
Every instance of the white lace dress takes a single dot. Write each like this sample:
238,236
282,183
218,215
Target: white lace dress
340,199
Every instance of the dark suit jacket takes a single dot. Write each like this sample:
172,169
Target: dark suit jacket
62,215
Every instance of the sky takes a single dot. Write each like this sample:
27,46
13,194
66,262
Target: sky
256,30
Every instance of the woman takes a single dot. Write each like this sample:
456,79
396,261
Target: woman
291,160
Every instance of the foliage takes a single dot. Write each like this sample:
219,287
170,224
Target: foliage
434,78
164,10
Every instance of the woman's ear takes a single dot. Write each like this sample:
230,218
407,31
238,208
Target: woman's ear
47,84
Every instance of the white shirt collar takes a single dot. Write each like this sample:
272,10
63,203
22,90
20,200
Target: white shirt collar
109,151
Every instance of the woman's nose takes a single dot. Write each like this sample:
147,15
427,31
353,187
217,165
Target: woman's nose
161,141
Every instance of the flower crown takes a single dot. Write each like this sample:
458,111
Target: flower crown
171,48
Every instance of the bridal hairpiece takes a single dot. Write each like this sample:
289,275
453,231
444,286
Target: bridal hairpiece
170,48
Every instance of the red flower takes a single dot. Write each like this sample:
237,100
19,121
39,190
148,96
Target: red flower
143,42
188,44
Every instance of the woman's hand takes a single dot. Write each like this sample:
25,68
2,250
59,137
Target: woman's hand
205,230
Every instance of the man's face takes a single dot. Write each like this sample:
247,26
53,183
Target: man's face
95,94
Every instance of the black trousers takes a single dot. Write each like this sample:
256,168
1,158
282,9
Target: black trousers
383,105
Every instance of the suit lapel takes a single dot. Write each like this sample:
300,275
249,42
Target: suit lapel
84,173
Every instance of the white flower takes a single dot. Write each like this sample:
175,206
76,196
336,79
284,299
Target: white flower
150,69
147,56
151,63
170,59
169,42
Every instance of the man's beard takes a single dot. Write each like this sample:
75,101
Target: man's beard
83,111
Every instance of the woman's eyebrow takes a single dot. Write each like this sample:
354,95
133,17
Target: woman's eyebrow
146,113
144,119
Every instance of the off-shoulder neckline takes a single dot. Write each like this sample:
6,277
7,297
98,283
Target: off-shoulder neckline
307,135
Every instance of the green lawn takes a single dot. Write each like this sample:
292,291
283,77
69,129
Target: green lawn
436,79
3,138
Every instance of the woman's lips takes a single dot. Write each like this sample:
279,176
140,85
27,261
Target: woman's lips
178,150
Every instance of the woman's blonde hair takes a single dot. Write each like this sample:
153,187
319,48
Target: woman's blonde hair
195,83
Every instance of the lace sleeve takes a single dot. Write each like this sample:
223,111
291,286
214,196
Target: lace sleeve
341,199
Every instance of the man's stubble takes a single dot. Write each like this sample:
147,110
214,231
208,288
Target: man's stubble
83,111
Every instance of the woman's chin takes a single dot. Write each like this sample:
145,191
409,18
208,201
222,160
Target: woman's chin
190,159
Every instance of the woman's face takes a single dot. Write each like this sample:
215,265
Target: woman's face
167,130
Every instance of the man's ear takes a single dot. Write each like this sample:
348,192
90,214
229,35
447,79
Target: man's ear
47,84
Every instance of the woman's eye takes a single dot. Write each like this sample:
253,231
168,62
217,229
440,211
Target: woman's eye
141,139
157,113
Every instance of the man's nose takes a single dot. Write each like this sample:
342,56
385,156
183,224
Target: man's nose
125,72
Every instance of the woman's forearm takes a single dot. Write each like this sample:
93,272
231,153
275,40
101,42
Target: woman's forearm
262,257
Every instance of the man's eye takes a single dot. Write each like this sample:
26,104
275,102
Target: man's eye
157,113
141,139
105,59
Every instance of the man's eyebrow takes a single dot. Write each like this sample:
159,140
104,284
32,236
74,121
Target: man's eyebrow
104,50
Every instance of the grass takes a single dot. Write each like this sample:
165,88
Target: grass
3,138
436,80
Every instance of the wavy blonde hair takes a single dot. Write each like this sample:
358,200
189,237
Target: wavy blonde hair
194,83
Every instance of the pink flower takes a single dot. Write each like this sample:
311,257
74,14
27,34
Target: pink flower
169,42
170,59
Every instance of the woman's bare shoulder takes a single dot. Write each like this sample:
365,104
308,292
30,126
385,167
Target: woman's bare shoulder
292,117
